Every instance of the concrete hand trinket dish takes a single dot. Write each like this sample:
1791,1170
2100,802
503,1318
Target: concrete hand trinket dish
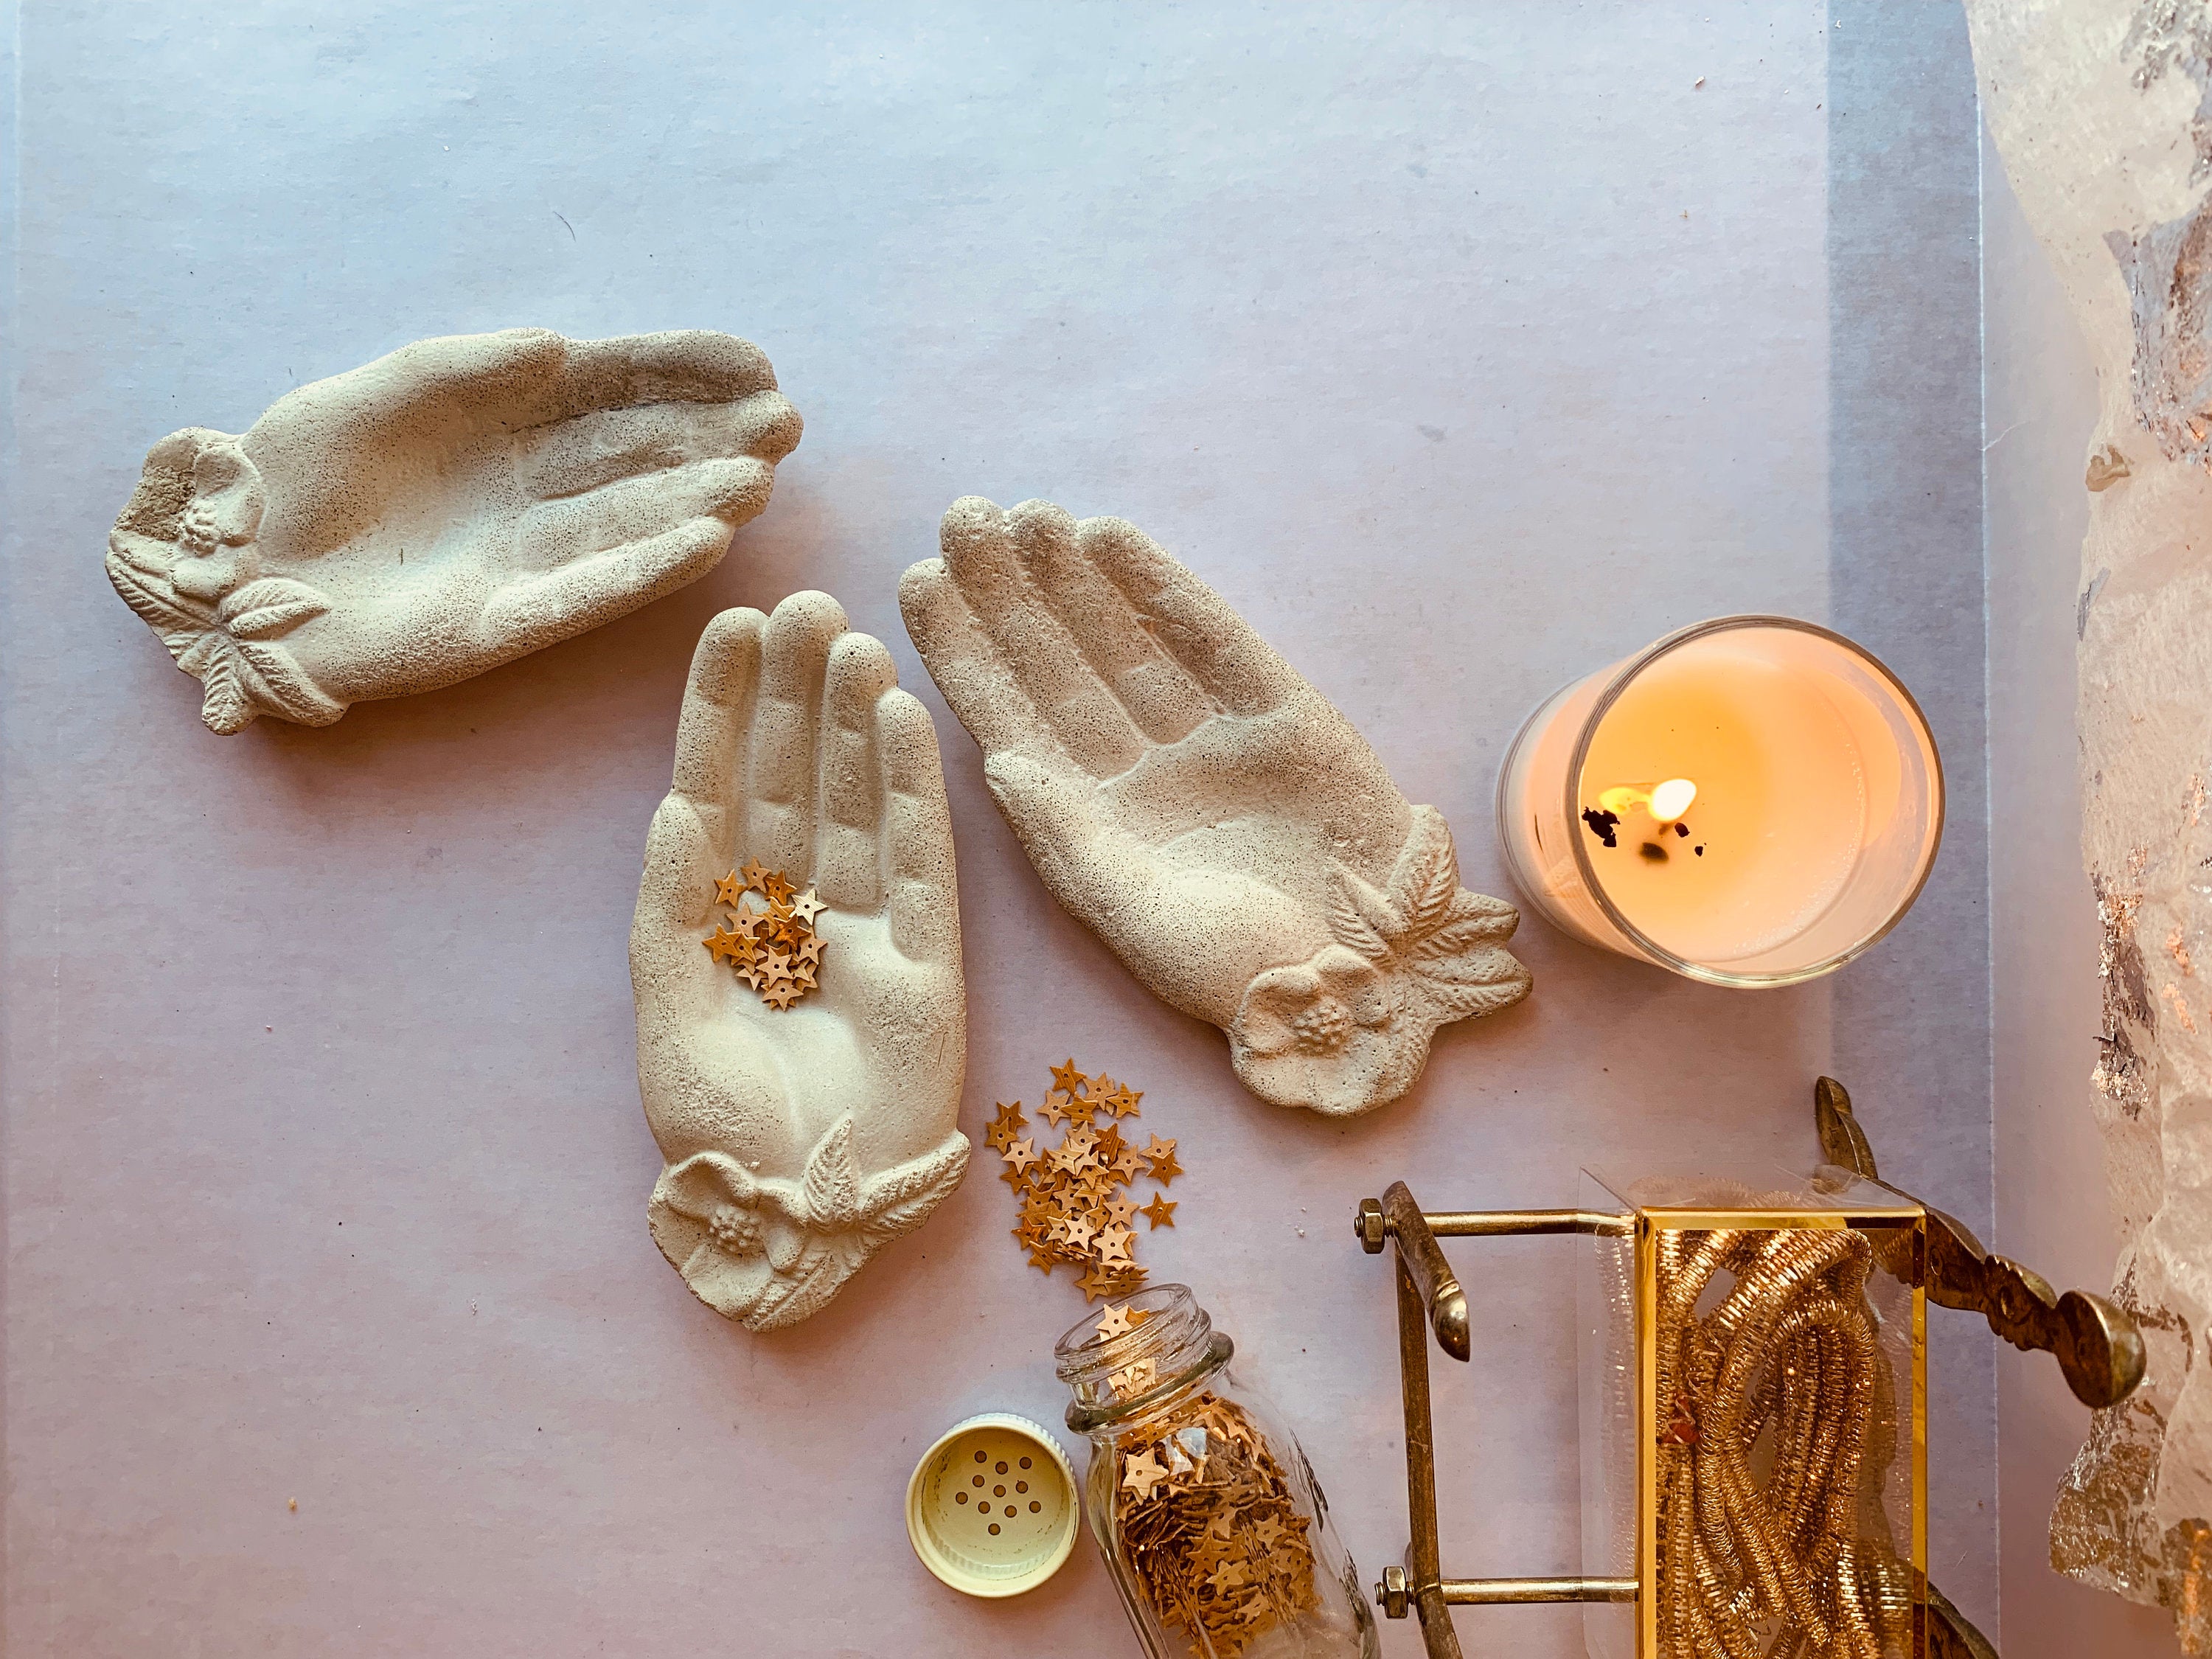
1188,797
446,509
800,1139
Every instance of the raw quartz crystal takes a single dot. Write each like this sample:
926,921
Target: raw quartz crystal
2102,111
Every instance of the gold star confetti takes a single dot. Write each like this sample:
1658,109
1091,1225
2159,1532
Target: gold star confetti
1160,1159
1213,1529
1104,1281
1073,1205
1141,1473
1134,1379
775,951
1117,1322
1160,1212
1074,1159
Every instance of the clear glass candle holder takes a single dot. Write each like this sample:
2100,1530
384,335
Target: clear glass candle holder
1752,802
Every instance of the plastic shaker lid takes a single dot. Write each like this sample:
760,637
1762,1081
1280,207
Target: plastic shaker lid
991,1508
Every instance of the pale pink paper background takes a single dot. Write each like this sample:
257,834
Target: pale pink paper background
1462,347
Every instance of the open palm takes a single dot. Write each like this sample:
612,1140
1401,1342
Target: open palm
442,510
1185,793
798,1142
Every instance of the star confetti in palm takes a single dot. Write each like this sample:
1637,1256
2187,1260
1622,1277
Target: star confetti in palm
774,949
1072,1209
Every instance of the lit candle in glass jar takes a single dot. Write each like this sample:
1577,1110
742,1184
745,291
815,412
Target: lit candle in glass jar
1751,801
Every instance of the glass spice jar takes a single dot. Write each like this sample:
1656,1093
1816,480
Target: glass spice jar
1199,1495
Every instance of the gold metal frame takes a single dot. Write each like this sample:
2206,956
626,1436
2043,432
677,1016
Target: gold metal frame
1429,1299
2096,1344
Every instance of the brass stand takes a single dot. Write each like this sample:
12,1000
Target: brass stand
1429,1299
2096,1344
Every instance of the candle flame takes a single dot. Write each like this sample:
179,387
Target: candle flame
1665,802
1672,798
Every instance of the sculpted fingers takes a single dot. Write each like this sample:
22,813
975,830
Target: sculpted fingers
603,446
981,556
530,611
559,532
781,768
453,381
1191,622
718,713
674,896
846,866
976,678
691,365
1163,700
917,834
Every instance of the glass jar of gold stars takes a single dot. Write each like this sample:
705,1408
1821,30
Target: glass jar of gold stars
1199,1497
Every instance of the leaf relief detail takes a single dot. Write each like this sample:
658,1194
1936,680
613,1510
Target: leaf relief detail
227,645
1443,942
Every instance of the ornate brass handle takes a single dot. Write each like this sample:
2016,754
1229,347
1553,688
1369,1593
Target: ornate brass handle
2096,1344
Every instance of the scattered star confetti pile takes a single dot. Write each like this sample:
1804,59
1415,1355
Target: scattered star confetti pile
1214,1534
1075,1207
775,950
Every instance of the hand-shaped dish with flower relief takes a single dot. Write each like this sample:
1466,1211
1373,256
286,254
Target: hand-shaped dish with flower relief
1187,795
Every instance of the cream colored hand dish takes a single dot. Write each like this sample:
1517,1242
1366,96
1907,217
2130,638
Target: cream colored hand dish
799,1142
1186,795
442,510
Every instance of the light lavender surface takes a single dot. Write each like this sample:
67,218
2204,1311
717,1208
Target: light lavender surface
1462,348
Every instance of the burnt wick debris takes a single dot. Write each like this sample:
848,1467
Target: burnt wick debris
1604,825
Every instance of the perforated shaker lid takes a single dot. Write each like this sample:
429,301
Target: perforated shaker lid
991,1508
